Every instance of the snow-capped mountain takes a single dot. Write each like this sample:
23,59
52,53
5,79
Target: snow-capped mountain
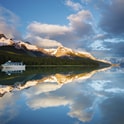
63,51
34,50
5,42
21,44
59,52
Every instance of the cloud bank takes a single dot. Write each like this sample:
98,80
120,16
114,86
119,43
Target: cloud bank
112,20
78,28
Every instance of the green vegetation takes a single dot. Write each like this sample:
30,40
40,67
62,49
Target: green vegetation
13,54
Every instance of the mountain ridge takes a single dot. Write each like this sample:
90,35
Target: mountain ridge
35,51
59,52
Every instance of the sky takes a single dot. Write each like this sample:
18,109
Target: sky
96,26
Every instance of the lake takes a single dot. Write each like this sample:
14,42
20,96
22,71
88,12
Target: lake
62,96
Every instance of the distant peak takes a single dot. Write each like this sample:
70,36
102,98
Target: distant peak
63,48
2,35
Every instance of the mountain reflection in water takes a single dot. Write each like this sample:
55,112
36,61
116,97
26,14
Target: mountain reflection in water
57,78
82,97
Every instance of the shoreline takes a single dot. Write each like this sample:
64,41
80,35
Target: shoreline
63,66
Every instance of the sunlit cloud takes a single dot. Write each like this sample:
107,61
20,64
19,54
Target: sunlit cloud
82,98
79,27
47,101
43,42
94,25
55,99
47,29
43,88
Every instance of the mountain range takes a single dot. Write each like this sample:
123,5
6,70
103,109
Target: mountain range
31,54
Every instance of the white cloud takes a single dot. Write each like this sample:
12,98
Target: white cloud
100,36
99,85
81,16
81,113
78,28
114,40
50,94
80,23
73,5
81,102
49,101
42,42
98,45
8,23
47,29
43,88
77,107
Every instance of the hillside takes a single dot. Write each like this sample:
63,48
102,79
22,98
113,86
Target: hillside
33,55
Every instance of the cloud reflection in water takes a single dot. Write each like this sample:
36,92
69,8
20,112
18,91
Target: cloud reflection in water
85,94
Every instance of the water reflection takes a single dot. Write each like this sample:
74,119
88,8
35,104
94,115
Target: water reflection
8,107
56,78
10,71
92,96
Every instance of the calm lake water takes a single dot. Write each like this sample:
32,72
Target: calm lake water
62,96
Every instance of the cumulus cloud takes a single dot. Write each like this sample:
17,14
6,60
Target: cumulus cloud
80,23
79,28
47,29
49,101
112,20
81,108
73,5
109,27
86,29
43,42
8,23
57,98
51,94
83,99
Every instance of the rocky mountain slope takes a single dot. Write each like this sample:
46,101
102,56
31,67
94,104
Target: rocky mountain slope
20,48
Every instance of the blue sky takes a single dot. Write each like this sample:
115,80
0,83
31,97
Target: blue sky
96,26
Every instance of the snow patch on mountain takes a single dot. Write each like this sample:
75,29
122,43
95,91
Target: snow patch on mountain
51,51
87,54
5,42
58,52
20,44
